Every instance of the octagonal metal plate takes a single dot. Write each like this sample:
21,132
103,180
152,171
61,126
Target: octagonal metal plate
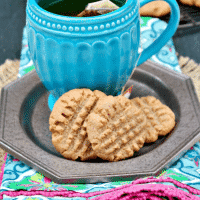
24,128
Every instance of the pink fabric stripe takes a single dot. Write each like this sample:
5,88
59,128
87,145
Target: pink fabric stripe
2,169
137,188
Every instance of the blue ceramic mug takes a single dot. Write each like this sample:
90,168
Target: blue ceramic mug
89,52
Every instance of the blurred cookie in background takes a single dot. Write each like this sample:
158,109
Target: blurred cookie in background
155,9
191,2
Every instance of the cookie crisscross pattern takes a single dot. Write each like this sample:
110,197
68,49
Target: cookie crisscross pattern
160,118
68,135
116,128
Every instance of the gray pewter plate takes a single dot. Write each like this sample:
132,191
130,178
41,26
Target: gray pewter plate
24,128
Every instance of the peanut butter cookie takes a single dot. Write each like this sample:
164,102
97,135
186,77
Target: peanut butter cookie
116,128
69,136
155,9
160,118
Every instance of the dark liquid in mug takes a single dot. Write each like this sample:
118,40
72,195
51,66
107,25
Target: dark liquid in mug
70,7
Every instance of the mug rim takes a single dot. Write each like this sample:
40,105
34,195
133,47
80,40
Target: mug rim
48,14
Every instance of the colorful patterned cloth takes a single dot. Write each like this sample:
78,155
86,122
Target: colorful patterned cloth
20,177
21,182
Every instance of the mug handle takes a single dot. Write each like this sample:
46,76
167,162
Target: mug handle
166,34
